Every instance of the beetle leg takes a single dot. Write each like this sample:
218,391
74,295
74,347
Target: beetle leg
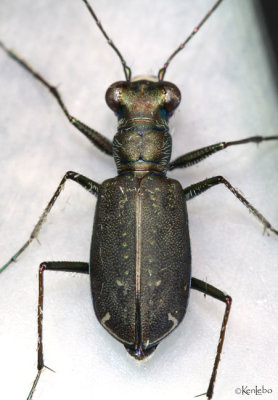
87,183
200,187
212,291
65,266
100,141
198,155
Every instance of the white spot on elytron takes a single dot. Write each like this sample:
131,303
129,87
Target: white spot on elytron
122,190
173,319
175,323
106,318
157,283
119,283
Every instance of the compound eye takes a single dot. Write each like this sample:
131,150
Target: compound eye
172,97
114,94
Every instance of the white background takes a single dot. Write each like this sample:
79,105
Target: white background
228,93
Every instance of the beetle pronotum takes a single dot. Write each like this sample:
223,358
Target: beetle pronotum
200,74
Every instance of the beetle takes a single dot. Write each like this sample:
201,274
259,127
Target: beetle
182,171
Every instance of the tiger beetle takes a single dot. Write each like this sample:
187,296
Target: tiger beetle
140,259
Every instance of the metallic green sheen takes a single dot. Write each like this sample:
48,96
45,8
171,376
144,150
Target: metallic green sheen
140,263
142,142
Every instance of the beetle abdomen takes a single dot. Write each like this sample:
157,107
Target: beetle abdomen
140,258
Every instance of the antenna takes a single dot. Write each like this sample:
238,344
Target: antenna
127,70
162,71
